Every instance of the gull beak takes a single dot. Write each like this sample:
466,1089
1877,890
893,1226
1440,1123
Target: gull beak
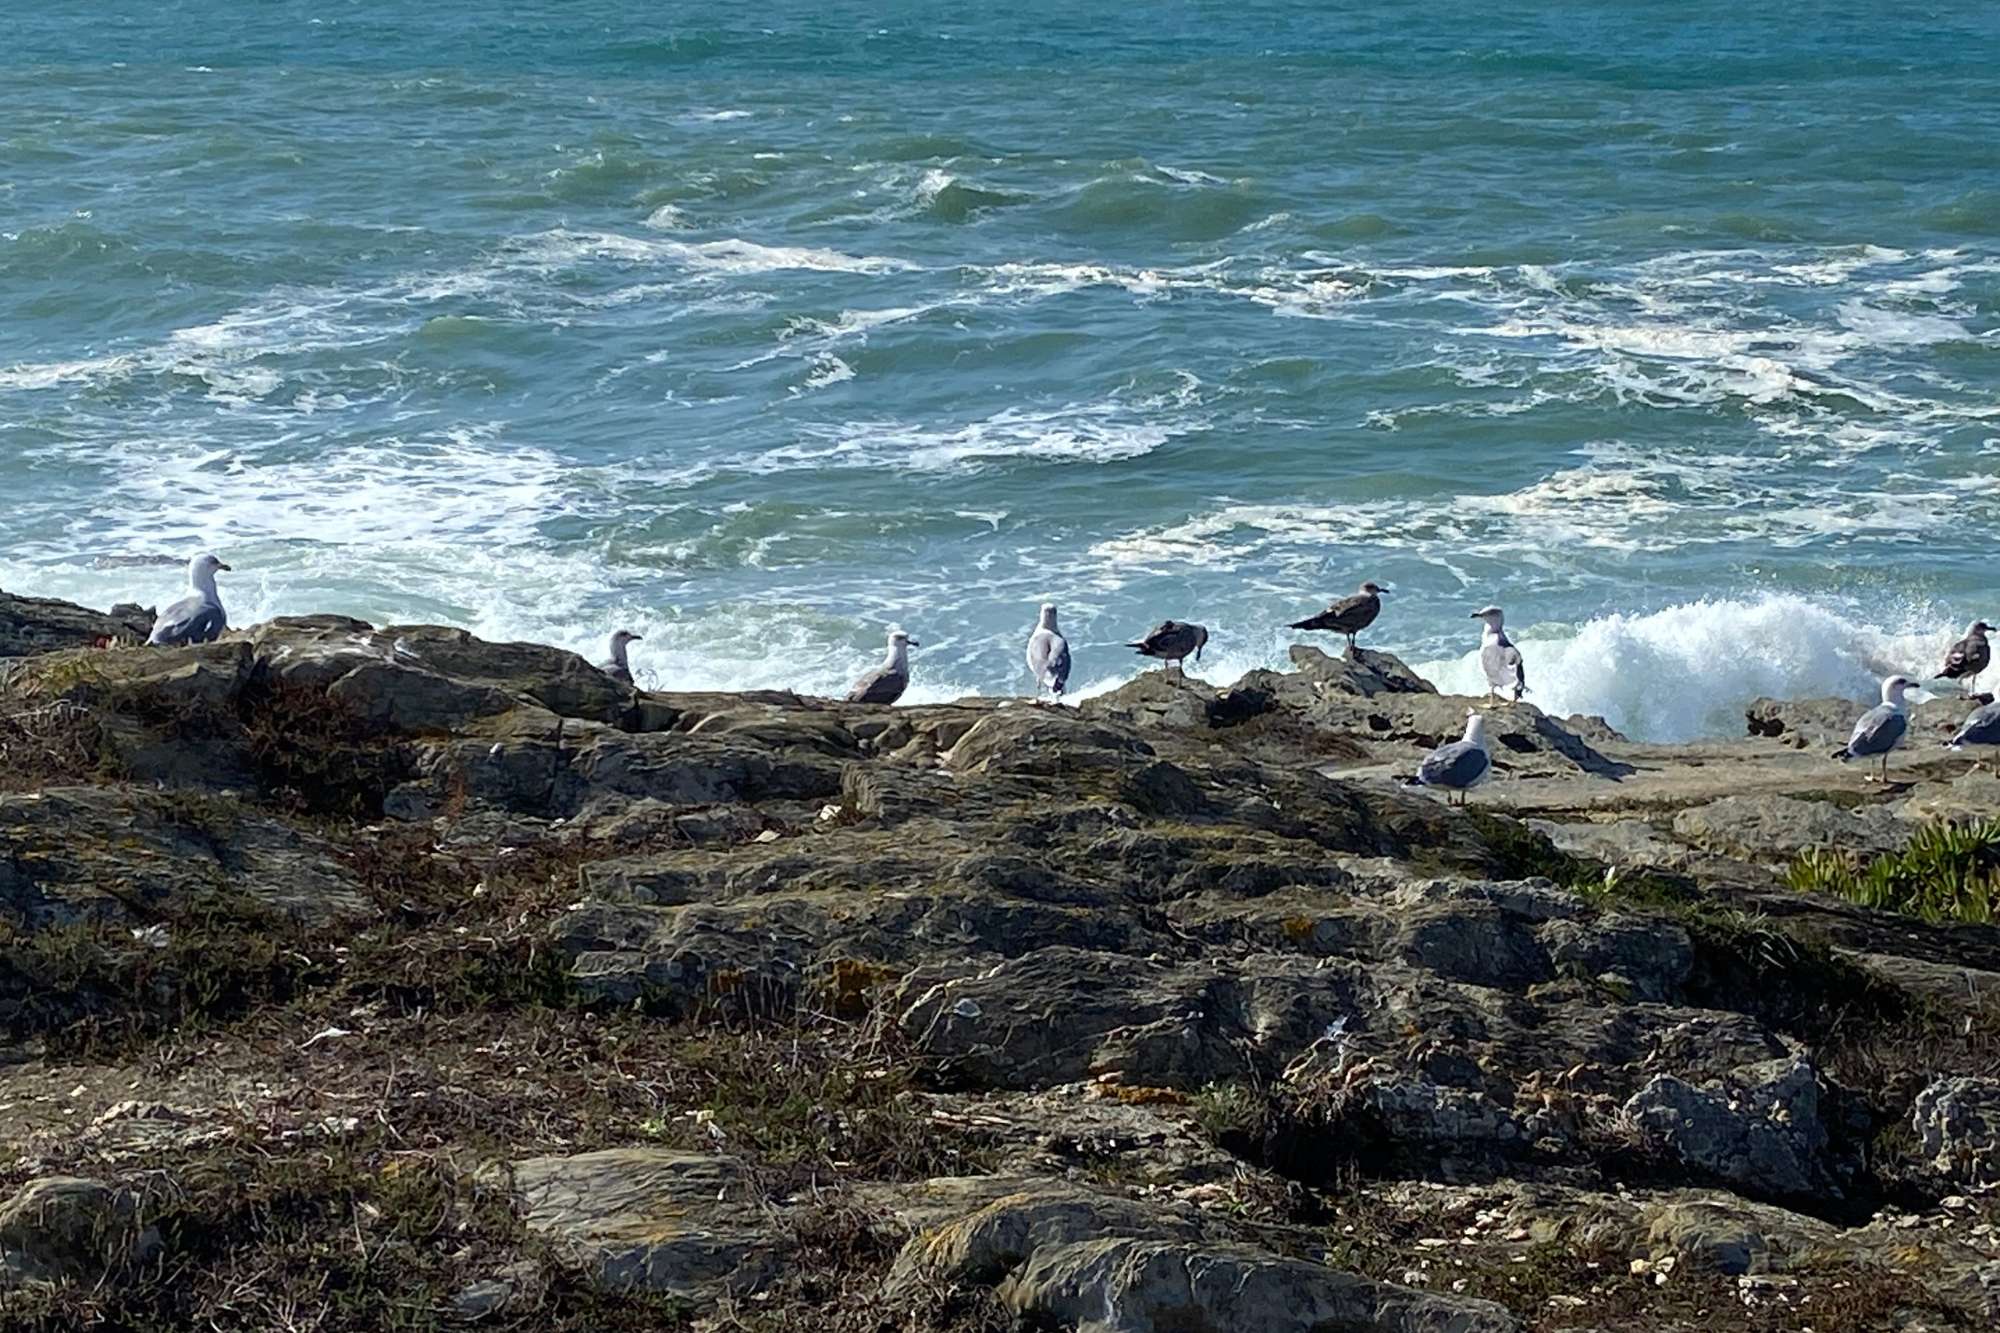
222,567
638,638
913,643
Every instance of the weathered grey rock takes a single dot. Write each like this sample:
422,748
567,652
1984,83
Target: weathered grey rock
1777,828
1367,673
33,625
67,1228
1957,1122
1708,1236
682,1224
108,853
1110,1265
1130,1285
1759,1129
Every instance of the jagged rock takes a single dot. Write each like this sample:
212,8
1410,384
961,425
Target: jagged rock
1648,958
682,1224
34,625
1822,721
1957,1122
1708,1236
66,1228
1777,828
1045,742
1759,1128
1110,1265
1367,673
1121,942
108,853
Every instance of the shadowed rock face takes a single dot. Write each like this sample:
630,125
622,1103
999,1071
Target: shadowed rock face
34,625
1144,950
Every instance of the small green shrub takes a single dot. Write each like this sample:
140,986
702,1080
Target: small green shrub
1948,872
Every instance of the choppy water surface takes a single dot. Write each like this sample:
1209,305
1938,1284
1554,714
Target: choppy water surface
756,329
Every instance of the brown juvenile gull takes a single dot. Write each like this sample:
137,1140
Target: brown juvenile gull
1968,657
1498,657
619,668
1880,729
1172,641
1048,654
1349,615
198,617
1461,765
886,683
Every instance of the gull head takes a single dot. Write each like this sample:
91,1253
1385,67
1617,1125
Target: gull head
1980,627
899,640
623,637
1374,589
202,571
1475,726
1893,688
1048,620
1492,615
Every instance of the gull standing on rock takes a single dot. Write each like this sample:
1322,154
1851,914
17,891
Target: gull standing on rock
1968,657
198,617
1048,654
1981,728
1461,765
1880,729
1172,641
886,683
619,668
1349,615
1498,657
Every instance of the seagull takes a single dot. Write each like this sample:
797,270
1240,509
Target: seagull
618,668
886,683
1498,656
1880,729
1349,615
1048,654
198,617
1461,765
1981,728
1172,641
1968,657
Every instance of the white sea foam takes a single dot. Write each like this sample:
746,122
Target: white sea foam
1689,670
730,256
1078,433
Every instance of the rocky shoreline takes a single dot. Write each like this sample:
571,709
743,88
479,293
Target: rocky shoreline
360,977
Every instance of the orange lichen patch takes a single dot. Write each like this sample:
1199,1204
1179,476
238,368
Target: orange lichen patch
1298,929
726,982
1139,1096
853,979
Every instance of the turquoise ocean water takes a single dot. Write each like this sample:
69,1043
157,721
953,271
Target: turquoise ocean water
758,328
